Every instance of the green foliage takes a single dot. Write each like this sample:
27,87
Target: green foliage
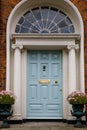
7,97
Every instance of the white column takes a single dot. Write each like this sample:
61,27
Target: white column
17,80
82,75
72,68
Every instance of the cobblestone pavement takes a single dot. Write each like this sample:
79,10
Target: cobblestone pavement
43,126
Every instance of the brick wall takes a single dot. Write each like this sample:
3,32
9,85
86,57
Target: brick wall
5,9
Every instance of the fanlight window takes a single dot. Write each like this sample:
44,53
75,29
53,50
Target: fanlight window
44,20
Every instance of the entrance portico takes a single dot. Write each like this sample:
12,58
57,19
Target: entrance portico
44,25
68,45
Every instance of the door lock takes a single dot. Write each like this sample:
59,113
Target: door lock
56,81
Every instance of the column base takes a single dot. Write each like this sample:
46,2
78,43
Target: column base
16,117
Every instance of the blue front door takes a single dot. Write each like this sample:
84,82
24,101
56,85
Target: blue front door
44,85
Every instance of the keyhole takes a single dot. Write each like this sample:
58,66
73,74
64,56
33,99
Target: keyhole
44,68
56,82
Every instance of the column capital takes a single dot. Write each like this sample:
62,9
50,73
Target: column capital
14,46
75,47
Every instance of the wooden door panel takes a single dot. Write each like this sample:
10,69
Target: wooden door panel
44,95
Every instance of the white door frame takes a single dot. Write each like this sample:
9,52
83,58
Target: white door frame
68,43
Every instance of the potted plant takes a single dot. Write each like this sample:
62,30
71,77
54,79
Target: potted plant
7,99
77,99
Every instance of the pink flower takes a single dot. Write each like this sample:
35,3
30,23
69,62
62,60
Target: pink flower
77,97
7,97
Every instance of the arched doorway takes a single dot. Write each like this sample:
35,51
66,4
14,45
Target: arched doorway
44,27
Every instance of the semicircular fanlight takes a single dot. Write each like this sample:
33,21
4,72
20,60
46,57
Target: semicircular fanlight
44,20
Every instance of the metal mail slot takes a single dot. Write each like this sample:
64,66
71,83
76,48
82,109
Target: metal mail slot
44,81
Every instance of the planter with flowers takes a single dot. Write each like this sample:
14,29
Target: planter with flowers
7,99
78,100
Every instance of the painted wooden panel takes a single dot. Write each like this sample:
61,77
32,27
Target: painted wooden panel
44,91
33,91
44,84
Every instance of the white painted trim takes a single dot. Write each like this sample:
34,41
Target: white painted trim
24,83
65,83
44,118
65,71
66,106
47,36
45,41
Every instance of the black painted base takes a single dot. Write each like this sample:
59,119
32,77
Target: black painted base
4,124
43,120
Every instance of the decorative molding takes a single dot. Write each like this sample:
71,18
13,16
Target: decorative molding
29,41
14,46
75,47
46,36
16,117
